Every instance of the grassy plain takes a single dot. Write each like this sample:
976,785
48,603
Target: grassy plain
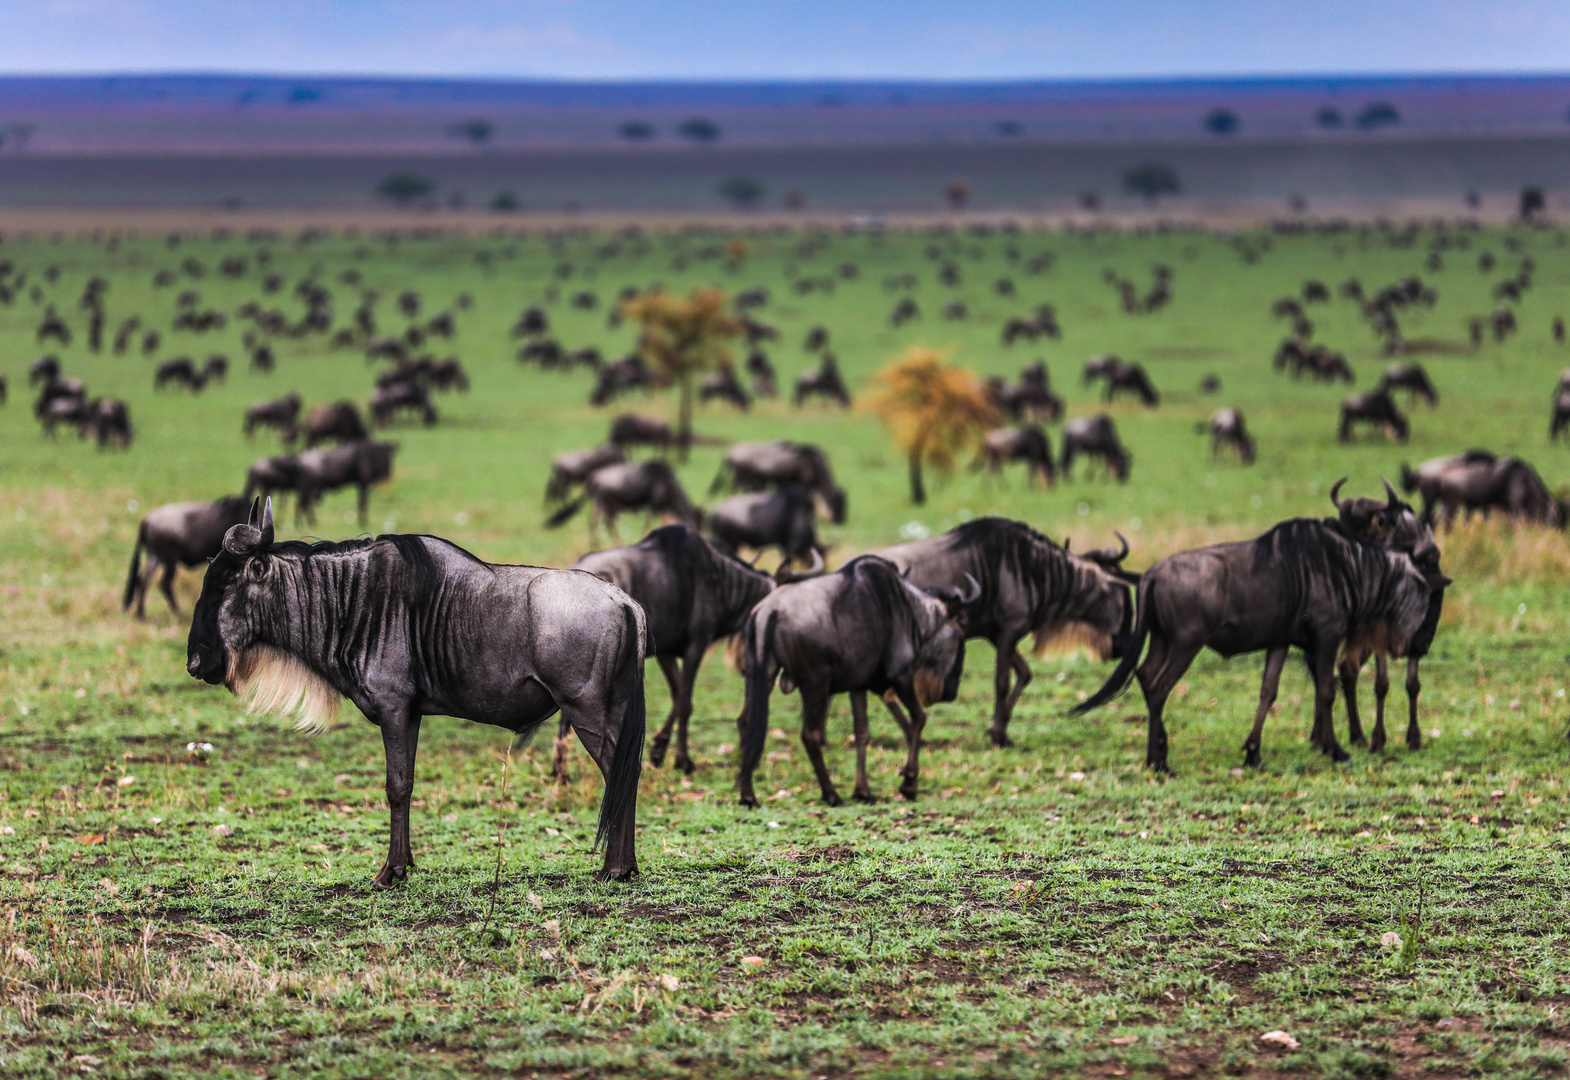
1049,910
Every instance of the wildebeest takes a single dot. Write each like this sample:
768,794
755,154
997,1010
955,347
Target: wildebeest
270,476
752,466
863,628
45,370
1029,586
1316,361
1031,398
361,463
337,422
1480,480
1120,378
281,414
724,384
176,535
630,429
650,486
1411,378
575,466
782,518
107,420
628,373
182,371
1561,415
1096,437
764,380
412,626
692,596
825,382
1304,583
1029,444
387,401
1227,428
1373,407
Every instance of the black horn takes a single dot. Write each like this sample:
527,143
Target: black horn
1108,557
1334,488
266,537
1395,500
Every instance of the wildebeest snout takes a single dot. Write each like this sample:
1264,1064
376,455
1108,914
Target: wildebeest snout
205,664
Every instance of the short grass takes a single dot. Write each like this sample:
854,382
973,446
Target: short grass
1048,910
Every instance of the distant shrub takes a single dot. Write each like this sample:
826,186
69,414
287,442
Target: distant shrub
1010,129
636,131
1533,201
1329,116
956,193
1377,114
698,129
304,95
1221,121
1151,180
475,130
404,187
504,202
742,191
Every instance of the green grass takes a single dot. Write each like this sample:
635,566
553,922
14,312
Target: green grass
1046,910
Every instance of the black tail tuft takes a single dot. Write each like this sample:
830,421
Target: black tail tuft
562,516
1124,673
621,783
136,569
759,686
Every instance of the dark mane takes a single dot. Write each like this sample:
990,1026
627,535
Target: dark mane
980,531
412,550
1479,457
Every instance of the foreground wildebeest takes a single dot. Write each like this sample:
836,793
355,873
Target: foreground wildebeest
1304,583
176,535
692,596
1480,480
1029,444
1096,437
387,401
752,466
338,422
1121,378
1029,585
783,518
825,382
1411,378
1227,428
412,626
281,414
650,486
863,628
575,466
1374,407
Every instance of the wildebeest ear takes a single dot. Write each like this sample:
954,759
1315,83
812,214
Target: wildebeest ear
267,524
241,540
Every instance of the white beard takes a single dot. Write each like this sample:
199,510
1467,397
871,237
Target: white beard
283,685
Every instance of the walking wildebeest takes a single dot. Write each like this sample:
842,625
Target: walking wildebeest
1096,437
1411,378
1227,428
783,518
281,414
1029,585
650,486
412,626
863,628
1304,583
1031,398
1029,444
1120,378
825,382
361,463
753,466
338,422
387,401
1480,480
176,535
1374,407
575,466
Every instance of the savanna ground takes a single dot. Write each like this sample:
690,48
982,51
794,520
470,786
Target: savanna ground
1045,910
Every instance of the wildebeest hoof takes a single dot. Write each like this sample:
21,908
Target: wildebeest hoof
1359,740
833,799
1001,740
749,801
908,792
617,873
864,796
656,755
686,765
389,876
1414,743
1376,746
1338,754
1252,759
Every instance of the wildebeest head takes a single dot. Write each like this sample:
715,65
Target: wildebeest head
1105,622
940,658
1391,522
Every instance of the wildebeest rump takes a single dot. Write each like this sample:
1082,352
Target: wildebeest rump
1374,407
337,422
176,535
412,626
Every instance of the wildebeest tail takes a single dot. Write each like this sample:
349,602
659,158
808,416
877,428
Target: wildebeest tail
562,516
621,783
136,567
1124,672
759,647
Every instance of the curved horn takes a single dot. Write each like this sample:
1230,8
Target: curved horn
817,562
1106,556
975,590
1335,488
1395,500
266,537
785,575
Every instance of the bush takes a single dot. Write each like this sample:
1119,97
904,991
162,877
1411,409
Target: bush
1221,122
636,131
1152,180
475,130
1377,114
742,191
698,129
404,187
504,202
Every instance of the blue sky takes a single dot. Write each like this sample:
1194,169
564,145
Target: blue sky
769,39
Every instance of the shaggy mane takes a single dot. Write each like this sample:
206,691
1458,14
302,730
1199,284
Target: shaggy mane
283,685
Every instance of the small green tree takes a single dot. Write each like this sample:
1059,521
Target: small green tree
1151,180
932,410
404,187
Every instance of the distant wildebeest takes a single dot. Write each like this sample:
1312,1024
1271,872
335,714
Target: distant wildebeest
176,535
1095,437
782,518
956,311
1315,292
270,476
337,422
46,369
5,390
1226,428
435,632
108,421
825,382
1315,361
1003,446
71,411
53,326
1481,481
1558,330
1373,407
262,358
181,371
863,628
1411,378
903,312
817,339
724,384
1561,415
1029,586
628,373
1304,583
1031,398
532,322
1121,378
650,486
281,414
753,466
215,368
361,464
631,429
387,401
693,596
765,383
575,466
1210,384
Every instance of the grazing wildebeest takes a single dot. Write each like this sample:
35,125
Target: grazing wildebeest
281,414
362,463
338,422
1480,480
180,370
693,596
1095,437
412,626
387,401
1304,583
1316,361
575,466
107,420
1561,417
1227,428
628,373
1374,407
46,369
825,382
1029,586
753,466
783,518
903,312
817,338
215,368
1031,398
630,429
1121,378
724,384
176,535
650,486
1029,444
863,628
1411,378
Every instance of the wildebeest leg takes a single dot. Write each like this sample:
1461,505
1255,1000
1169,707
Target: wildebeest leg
166,585
1351,665
689,676
365,503
1274,660
143,585
1381,688
814,725
1322,663
911,773
1163,666
1009,662
400,740
1414,685
662,738
858,710
563,745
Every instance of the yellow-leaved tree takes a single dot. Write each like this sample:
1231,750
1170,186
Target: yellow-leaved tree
932,409
682,338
